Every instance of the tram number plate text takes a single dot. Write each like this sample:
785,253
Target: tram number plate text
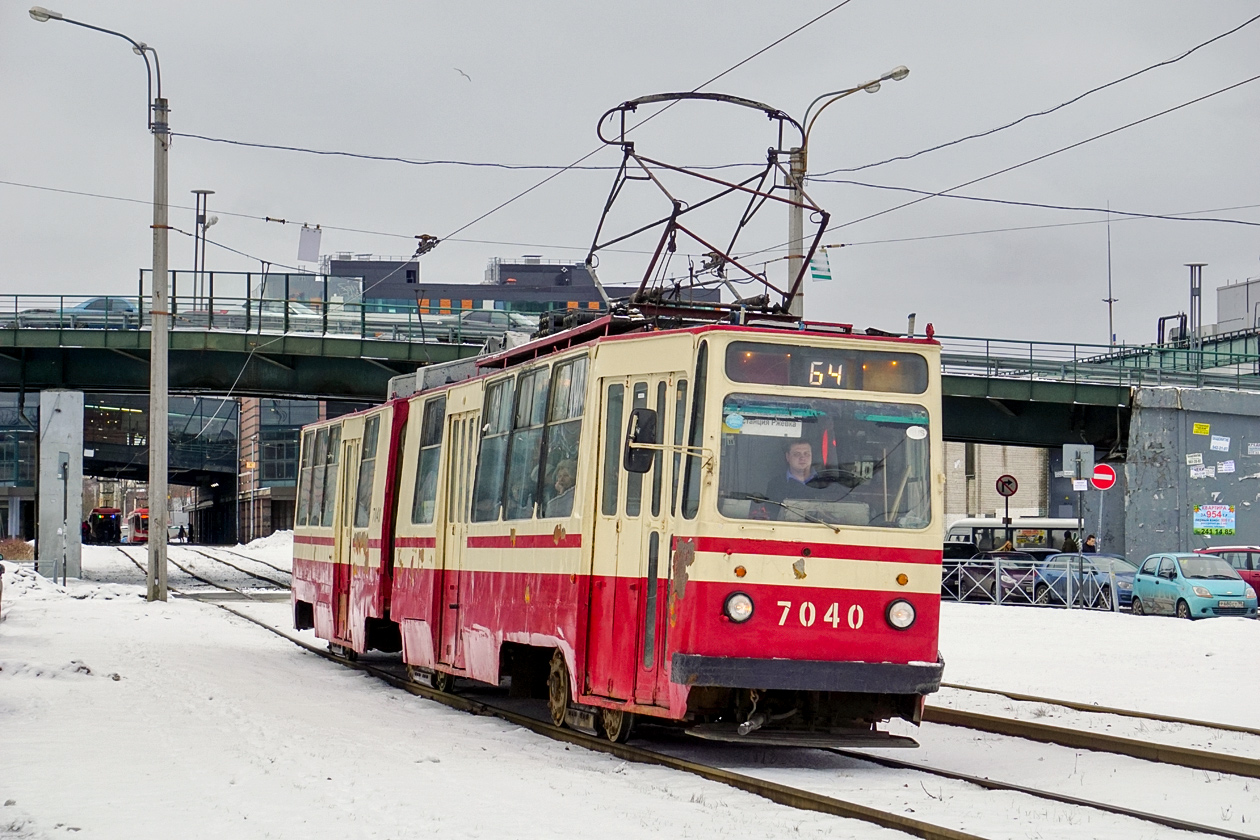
807,614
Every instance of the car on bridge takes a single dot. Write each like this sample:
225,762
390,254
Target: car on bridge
108,312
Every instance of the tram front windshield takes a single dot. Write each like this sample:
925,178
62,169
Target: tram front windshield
837,462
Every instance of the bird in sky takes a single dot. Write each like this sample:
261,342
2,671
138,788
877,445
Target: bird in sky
462,73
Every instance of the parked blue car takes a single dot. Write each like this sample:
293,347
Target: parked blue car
1191,586
1091,577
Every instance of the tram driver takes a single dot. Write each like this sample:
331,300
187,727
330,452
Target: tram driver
800,481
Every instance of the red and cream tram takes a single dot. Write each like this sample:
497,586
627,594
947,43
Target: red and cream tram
138,523
735,528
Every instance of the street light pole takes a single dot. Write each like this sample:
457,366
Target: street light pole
155,583
159,352
798,159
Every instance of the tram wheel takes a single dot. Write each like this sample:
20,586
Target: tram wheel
442,681
558,688
342,651
617,724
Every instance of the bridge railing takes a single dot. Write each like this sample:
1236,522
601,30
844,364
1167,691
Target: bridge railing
201,312
1098,364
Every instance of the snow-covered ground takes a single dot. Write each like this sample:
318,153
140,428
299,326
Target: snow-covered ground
121,718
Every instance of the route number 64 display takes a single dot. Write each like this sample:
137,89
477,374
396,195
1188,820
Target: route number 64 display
807,614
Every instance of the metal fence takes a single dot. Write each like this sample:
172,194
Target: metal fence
1055,583
455,325
1098,364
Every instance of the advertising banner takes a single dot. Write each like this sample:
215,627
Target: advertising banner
1214,519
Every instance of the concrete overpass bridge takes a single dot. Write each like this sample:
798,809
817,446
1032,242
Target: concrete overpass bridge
996,391
300,351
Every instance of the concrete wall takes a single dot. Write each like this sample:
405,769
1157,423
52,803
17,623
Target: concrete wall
1159,488
60,501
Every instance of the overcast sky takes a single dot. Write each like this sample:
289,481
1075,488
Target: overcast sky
381,78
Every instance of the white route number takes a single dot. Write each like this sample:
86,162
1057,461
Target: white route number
807,614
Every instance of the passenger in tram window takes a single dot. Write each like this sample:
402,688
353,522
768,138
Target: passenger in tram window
560,489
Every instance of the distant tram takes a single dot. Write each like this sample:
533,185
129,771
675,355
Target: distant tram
105,525
734,528
139,525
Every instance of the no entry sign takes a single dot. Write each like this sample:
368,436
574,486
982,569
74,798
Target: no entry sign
1104,476
1007,485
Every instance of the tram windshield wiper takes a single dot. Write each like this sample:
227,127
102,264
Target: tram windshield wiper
794,511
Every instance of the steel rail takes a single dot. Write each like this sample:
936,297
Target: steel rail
782,794
232,565
280,569
1095,741
195,576
1104,710
992,784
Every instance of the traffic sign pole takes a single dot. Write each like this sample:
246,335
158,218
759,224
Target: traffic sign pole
1007,487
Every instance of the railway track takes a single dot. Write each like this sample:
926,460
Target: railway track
264,578
803,799
783,794
250,596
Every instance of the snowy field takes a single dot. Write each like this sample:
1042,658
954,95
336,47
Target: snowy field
125,719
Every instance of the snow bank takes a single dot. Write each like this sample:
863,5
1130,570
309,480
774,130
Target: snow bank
1197,669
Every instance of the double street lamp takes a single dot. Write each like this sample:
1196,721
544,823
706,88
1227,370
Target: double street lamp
159,312
799,163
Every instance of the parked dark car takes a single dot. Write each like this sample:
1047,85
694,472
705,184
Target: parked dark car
993,576
1090,576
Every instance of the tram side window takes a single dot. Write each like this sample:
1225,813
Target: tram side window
634,481
661,390
564,428
691,482
318,467
526,445
612,449
680,426
425,498
496,423
304,483
367,472
330,474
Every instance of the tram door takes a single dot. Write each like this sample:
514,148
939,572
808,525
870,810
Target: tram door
461,432
623,657
344,533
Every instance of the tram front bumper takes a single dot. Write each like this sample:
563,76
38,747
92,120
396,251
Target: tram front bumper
807,675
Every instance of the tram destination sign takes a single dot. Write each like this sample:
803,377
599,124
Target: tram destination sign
826,368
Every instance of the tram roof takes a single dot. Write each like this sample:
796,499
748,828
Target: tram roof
613,326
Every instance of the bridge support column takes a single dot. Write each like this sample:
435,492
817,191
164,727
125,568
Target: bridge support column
60,514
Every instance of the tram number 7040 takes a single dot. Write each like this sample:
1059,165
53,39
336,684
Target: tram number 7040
807,614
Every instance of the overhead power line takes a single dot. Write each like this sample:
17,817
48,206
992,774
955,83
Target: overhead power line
1015,203
1041,157
1047,111
424,162
650,117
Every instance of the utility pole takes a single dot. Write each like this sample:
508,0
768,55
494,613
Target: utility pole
1111,299
159,349
796,228
155,583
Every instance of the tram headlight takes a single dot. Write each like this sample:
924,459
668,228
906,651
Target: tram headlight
738,607
900,614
